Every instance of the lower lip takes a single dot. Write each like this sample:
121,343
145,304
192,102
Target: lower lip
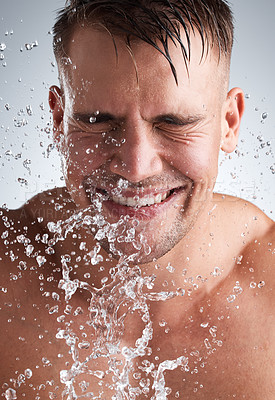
144,213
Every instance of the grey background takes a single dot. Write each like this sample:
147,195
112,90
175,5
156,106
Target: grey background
28,164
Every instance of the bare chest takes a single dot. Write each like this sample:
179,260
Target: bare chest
215,350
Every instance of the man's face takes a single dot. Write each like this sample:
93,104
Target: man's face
141,147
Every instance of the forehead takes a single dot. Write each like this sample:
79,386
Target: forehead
106,66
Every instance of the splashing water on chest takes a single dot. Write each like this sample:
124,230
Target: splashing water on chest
109,306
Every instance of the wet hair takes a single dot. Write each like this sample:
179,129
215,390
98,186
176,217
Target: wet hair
152,21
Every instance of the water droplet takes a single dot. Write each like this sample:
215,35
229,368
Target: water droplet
264,115
55,296
18,123
30,46
40,260
78,311
2,46
22,265
237,289
26,164
217,272
29,110
84,345
260,138
84,385
45,361
21,379
68,309
231,298
239,258
50,148
22,181
53,309
29,249
207,344
28,373
99,374
213,331
170,268
10,394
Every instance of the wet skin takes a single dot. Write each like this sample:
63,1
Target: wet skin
168,137
240,359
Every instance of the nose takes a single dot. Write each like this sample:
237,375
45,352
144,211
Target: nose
139,156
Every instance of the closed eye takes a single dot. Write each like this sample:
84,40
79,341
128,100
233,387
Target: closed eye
177,121
179,128
94,123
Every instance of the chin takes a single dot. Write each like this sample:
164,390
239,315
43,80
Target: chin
147,245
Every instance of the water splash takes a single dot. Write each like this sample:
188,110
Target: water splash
109,306
159,382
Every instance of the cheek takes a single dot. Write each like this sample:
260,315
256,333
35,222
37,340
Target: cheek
198,161
82,155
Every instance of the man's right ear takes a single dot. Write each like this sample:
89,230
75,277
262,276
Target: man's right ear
55,103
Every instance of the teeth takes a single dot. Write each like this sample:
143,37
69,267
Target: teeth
141,202
163,196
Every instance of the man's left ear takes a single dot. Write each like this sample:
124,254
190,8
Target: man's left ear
232,114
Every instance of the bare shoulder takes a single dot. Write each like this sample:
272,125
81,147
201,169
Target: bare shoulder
51,205
252,235
47,206
259,254
242,217
22,230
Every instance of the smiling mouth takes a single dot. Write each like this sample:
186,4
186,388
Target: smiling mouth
138,201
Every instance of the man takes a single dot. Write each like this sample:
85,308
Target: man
136,280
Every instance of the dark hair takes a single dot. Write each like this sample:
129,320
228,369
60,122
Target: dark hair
152,21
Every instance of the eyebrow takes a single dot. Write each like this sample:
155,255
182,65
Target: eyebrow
176,119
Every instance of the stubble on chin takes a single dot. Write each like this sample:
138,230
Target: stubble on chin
156,240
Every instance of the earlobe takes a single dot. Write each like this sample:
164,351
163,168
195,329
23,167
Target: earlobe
232,115
55,103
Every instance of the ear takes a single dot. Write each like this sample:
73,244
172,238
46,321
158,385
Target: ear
55,103
232,114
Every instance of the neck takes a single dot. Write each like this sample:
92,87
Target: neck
194,260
